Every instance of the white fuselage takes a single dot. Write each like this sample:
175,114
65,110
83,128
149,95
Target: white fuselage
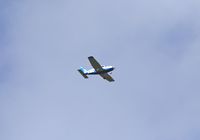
105,70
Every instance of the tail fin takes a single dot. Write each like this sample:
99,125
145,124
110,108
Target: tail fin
83,72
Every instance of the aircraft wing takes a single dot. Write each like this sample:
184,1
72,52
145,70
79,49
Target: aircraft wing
107,77
95,64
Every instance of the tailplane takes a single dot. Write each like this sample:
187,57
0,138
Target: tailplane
83,72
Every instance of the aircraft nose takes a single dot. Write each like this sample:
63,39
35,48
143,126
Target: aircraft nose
113,68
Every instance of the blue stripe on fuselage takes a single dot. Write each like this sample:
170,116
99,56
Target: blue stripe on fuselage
105,70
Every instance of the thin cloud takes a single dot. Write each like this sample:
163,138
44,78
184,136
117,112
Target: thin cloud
153,45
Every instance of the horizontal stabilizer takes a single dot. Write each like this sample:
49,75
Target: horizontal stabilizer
82,73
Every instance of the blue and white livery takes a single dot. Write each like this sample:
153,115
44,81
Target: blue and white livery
97,70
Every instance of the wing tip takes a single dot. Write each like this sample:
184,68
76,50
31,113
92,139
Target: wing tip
91,57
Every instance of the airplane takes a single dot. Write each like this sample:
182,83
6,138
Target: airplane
97,70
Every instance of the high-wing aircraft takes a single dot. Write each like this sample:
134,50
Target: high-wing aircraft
97,70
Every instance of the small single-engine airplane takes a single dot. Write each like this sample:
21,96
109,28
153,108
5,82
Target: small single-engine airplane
97,69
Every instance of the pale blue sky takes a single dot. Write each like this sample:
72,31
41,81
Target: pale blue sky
154,46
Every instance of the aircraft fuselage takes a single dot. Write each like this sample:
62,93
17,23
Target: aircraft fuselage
106,69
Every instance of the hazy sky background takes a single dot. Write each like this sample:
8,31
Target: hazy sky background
154,45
